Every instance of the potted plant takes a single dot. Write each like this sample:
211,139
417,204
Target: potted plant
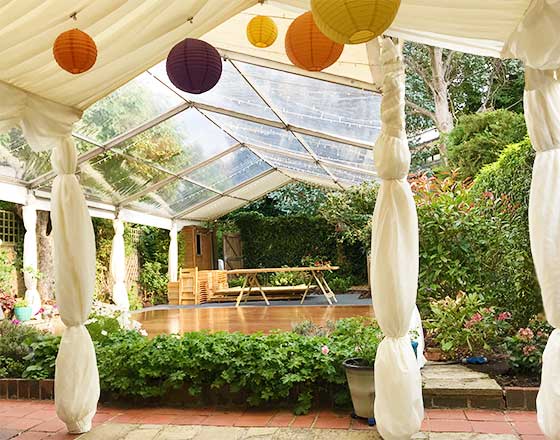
359,369
22,310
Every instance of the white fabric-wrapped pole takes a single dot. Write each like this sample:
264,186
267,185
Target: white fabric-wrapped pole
542,113
173,257
398,387
30,255
118,267
76,376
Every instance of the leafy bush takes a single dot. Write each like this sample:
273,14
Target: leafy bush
15,341
339,284
526,347
287,278
41,360
465,326
278,241
6,269
478,139
154,282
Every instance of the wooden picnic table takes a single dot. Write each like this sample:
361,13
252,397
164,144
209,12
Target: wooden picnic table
252,282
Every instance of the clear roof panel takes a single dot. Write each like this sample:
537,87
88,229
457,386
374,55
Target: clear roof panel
230,170
291,163
254,133
350,177
111,177
135,103
182,141
232,93
173,198
318,105
339,152
19,161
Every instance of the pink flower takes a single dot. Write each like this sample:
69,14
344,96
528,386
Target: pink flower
525,334
477,317
504,316
528,349
16,321
41,310
325,350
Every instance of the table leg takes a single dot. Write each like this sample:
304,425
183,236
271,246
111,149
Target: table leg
306,290
258,285
240,296
320,284
328,287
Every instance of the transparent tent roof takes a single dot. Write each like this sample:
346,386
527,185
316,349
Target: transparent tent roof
156,149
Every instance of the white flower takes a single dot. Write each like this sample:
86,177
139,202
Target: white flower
143,332
104,332
325,350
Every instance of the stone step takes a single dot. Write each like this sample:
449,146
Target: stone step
456,386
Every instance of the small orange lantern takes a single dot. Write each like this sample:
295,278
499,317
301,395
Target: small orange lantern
307,47
75,51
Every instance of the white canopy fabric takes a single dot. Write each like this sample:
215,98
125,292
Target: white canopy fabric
118,266
542,112
173,263
399,409
29,214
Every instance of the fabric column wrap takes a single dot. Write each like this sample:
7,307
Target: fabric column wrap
118,267
32,296
394,265
542,113
173,256
76,375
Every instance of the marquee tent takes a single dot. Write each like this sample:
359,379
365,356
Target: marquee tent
266,124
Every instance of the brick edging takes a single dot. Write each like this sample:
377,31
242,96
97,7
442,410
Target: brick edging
515,398
27,389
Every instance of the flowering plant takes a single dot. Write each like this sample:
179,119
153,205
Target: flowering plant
308,260
463,326
7,302
526,346
106,319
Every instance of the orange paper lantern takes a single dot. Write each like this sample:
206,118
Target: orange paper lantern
307,47
75,51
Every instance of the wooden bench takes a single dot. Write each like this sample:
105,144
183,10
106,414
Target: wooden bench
275,292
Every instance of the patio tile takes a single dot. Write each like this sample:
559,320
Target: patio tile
325,422
304,421
22,424
188,420
157,419
6,434
447,414
43,414
17,410
533,437
521,416
50,426
527,428
361,424
450,426
223,419
491,427
30,435
281,420
254,419
483,415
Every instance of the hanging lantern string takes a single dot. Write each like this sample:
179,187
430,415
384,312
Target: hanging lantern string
74,16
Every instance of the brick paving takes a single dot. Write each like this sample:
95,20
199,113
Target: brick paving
30,420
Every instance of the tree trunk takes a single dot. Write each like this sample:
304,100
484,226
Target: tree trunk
45,283
444,118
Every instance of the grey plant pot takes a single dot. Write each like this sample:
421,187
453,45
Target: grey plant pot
362,387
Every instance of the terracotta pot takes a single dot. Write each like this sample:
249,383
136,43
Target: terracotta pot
362,387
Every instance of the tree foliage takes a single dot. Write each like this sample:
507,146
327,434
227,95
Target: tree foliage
478,139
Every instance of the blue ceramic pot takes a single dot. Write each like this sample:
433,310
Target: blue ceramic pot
23,313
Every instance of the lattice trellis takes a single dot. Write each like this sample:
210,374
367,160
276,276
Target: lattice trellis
11,229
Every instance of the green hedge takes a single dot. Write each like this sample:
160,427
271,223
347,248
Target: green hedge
283,241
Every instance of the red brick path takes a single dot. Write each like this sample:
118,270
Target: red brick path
36,420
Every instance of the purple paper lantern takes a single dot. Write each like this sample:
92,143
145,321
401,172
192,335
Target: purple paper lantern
194,66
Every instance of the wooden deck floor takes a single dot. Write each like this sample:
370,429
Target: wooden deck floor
244,319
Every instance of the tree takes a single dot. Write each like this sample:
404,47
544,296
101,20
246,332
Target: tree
443,84
478,139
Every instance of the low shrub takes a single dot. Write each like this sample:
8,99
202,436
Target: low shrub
153,282
526,346
15,346
465,326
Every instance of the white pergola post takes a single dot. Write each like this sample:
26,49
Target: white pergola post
542,113
399,407
30,265
173,257
118,266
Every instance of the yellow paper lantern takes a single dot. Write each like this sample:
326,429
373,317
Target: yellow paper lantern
354,21
262,31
